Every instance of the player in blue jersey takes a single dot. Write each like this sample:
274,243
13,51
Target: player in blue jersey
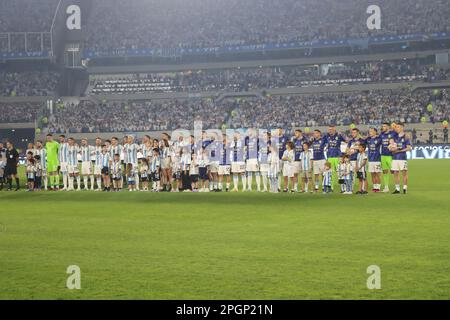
318,148
399,160
386,155
251,164
333,141
374,144
298,139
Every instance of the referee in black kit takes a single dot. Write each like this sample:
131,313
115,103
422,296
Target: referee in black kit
12,162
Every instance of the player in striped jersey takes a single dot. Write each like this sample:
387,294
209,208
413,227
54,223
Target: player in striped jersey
63,157
155,166
41,152
263,152
146,147
116,173
224,165
115,148
327,177
213,152
130,152
361,168
237,155
252,166
169,158
86,163
72,167
97,159
306,160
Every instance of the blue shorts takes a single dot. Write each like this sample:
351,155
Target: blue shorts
203,173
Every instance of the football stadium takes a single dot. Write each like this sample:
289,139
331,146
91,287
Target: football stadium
224,150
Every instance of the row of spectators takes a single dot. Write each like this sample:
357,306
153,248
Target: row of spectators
237,80
29,83
285,111
137,24
27,15
20,112
370,108
137,116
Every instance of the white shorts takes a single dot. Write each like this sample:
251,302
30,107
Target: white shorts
252,165
86,168
73,169
318,166
264,167
98,170
399,165
288,170
297,167
224,170
214,167
238,167
375,167
64,167
165,163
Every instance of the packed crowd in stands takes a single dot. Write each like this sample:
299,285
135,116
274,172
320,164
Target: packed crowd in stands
136,24
238,80
30,83
27,15
19,112
370,108
285,111
137,116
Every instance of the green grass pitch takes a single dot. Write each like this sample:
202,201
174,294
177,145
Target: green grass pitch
229,246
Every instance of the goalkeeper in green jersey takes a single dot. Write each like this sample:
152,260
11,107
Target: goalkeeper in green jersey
51,148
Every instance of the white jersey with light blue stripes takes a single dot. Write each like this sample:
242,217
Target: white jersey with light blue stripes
43,154
86,153
72,155
63,152
97,155
155,164
146,151
106,157
115,150
327,178
305,158
130,150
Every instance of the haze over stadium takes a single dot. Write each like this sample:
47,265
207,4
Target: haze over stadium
311,106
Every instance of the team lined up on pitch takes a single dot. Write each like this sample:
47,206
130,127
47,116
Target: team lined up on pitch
278,163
